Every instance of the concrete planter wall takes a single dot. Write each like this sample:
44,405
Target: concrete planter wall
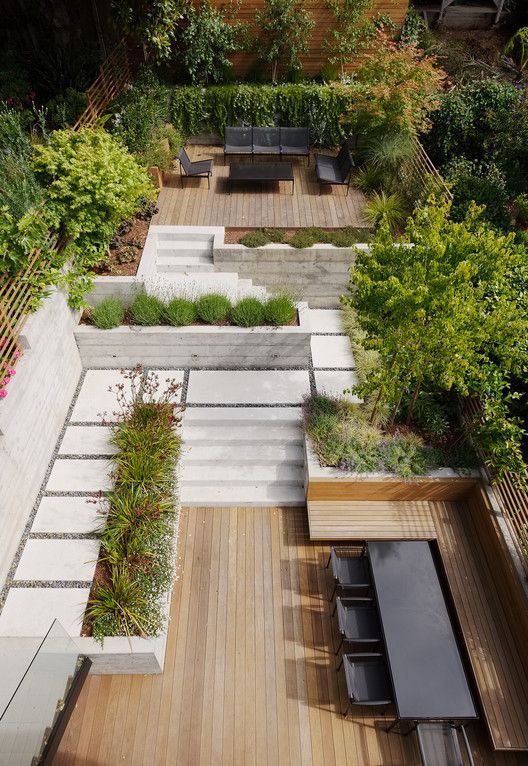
319,274
196,346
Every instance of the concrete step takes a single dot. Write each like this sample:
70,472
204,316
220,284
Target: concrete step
185,235
257,494
229,474
249,436
186,267
182,259
178,245
237,454
251,415
229,280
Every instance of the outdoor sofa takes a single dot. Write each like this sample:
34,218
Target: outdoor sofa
277,142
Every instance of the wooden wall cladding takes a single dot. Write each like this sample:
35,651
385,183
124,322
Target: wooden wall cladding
390,489
315,59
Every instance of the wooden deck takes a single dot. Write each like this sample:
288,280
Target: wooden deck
249,675
370,520
255,205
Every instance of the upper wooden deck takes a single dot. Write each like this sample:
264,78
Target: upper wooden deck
256,205
250,670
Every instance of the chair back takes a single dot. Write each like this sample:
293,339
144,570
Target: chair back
295,137
242,137
344,160
266,137
184,160
438,744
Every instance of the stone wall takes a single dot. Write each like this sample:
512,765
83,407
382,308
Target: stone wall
32,415
317,275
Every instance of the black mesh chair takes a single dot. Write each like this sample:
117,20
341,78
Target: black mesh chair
238,141
295,142
439,744
266,141
357,621
335,170
350,571
201,169
367,680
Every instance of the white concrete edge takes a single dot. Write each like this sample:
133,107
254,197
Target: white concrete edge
285,246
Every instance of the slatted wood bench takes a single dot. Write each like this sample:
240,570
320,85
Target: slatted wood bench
370,520
491,615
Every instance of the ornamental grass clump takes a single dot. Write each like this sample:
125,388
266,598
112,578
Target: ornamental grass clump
147,309
213,308
280,310
136,560
248,312
180,312
109,313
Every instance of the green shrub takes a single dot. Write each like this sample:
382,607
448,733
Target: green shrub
109,313
248,312
139,111
521,209
308,237
254,239
273,235
65,108
280,310
19,189
147,309
180,312
404,455
213,308
484,184
347,237
389,207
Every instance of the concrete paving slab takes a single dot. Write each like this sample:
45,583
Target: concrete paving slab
248,386
95,399
67,559
87,440
331,351
325,320
165,377
78,475
333,382
73,515
30,611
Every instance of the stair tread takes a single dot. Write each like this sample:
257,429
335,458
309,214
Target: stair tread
263,494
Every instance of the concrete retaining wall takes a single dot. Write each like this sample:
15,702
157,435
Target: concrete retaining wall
196,346
318,274
32,415
124,288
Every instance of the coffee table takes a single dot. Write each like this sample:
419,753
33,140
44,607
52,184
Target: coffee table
261,171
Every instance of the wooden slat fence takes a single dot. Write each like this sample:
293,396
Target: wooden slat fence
420,174
513,501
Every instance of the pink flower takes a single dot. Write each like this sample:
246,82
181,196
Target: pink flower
6,380
11,371
17,354
3,393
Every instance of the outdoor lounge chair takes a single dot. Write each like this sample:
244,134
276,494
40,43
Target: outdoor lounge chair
266,141
201,169
358,623
350,572
334,170
238,141
367,680
439,744
295,142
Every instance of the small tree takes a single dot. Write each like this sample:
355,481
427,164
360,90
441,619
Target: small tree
353,32
210,37
153,23
283,32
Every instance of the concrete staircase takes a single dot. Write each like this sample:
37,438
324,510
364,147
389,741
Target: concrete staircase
184,252
242,456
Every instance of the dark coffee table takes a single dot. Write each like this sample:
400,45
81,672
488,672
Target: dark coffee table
261,171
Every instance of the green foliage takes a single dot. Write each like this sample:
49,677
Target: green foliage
19,189
255,238
521,209
64,109
213,308
153,23
147,309
446,311
389,208
280,310
209,38
180,312
404,455
353,31
283,29
248,312
139,111
107,314
430,412
136,538
387,160
414,28
474,182
344,237
518,46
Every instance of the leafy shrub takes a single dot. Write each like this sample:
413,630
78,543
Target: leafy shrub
180,312
147,309
345,237
382,206
139,111
19,189
521,209
213,308
308,237
404,455
484,184
209,37
109,313
64,109
254,239
430,412
280,310
248,312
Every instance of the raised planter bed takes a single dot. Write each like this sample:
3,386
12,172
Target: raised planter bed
197,345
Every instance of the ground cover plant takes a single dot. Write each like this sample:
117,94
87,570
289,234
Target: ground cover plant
306,237
135,567
212,308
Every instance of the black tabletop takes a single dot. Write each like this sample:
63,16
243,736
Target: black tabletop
426,668
261,171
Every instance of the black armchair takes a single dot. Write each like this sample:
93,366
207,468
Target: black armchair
335,170
201,169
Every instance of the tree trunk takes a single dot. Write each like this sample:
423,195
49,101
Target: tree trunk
274,68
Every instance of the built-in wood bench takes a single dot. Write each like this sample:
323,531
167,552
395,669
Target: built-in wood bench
370,520
492,613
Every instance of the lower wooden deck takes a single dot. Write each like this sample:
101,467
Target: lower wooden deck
258,204
250,671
